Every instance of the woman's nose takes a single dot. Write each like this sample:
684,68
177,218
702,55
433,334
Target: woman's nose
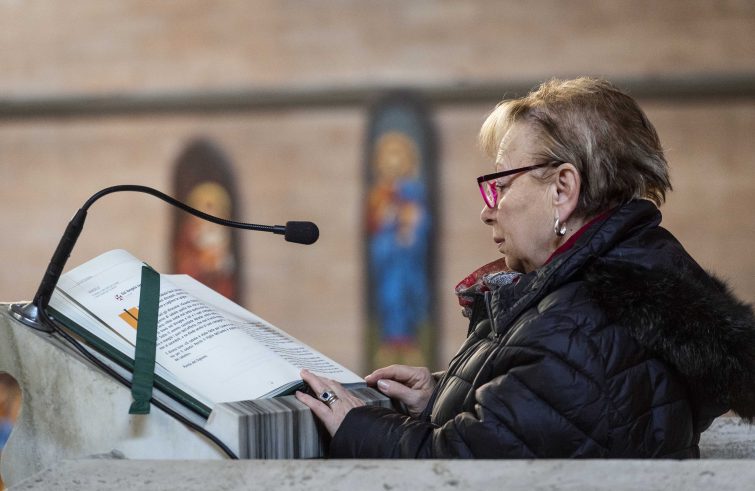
487,215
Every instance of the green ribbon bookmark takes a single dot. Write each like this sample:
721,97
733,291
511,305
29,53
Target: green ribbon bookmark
146,342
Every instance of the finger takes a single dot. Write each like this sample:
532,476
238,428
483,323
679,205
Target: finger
401,373
320,409
318,384
336,387
397,390
330,420
389,372
345,399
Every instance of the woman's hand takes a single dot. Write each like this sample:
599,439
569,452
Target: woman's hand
331,413
411,385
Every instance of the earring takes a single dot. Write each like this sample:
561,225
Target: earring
559,228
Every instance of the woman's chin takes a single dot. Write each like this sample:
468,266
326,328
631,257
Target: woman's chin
513,265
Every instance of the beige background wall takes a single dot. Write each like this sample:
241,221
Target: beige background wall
306,162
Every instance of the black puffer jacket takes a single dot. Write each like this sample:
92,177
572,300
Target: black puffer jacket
620,347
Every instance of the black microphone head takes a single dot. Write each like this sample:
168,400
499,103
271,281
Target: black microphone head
302,232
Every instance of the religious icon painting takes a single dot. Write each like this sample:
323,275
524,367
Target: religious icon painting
203,178
400,223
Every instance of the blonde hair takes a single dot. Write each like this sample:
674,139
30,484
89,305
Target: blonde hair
599,129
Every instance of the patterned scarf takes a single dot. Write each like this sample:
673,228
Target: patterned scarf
486,278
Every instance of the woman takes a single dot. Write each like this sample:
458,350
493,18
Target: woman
612,342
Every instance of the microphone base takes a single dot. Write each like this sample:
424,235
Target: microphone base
28,314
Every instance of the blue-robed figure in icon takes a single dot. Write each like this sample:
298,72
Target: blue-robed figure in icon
398,226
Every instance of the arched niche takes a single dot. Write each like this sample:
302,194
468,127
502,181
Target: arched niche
203,177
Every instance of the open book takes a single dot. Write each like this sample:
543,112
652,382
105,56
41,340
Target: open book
209,349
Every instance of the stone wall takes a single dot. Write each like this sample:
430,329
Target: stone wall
306,162
138,45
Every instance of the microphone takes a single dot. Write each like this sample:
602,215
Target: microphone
29,314
301,232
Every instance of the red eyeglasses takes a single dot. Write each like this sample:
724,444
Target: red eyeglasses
487,182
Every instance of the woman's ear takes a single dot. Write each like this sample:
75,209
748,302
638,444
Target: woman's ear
567,185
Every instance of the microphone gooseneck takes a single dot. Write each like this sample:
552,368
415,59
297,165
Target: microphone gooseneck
298,232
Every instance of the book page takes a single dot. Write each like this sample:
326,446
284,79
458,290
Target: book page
276,340
224,354
60,302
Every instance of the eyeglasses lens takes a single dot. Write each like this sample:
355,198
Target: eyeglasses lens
490,193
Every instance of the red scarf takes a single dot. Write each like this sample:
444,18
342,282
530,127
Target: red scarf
477,281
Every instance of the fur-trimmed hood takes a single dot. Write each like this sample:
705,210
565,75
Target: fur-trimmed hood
643,279
690,321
